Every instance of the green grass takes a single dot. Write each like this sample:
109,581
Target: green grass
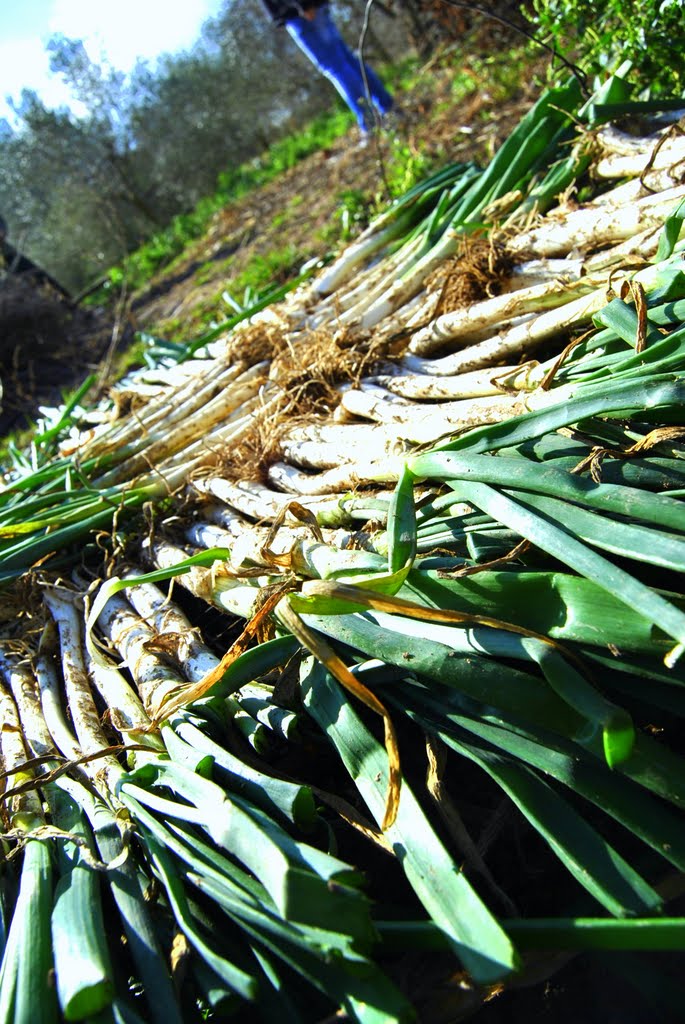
503,77
276,267
260,274
353,209
407,166
165,246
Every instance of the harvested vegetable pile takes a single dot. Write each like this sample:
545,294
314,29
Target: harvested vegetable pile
345,625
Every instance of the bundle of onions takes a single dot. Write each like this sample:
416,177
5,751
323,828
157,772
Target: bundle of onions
461,538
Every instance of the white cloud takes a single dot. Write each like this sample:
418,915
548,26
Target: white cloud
120,32
24,65
128,29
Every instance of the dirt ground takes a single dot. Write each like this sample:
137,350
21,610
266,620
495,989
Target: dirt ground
47,348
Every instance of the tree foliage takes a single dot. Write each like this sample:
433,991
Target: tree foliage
650,34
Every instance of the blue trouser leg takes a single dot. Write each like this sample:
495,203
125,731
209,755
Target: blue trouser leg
320,40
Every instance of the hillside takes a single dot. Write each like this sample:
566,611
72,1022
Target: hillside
452,111
298,212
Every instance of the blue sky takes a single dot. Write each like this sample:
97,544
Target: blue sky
120,30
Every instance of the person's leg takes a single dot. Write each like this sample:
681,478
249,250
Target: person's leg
320,40
372,87
379,94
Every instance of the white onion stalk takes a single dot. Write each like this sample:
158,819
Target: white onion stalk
350,436
418,311
420,308
249,549
474,384
324,446
512,342
229,406
642,246
206,445
611,141
194,656
314,455
402,285
62,605
628,157
350,308
629,192
166,555
596,226
372,402
215,585
258,502
25,809
174,471
329,513
523,337
125,708
210,535
215,534
245,549
476,322
231,526
660,180
173,626
316,561
311,559
18,673
165,409
345,477
423,423
401,289
129,634
372,240
171,460
346,307
50,698
227,518
537,271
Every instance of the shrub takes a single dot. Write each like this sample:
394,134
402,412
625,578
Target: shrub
649,34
